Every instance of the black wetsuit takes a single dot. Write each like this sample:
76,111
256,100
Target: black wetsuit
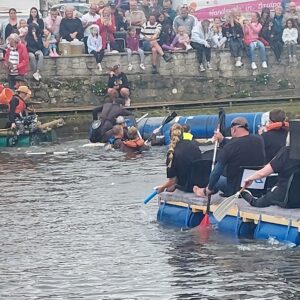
285,167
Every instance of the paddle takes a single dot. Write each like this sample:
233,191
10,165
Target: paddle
226,205
150,196
205,221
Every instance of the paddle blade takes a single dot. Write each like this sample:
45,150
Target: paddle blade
205,221
223,209
151,196
169,118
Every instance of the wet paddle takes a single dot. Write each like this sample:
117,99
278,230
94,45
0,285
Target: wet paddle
223,209
150,196
205,221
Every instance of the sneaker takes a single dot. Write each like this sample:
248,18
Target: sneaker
295,60
188,47
56,54
167,57
36,76
247,196
142,67
114,51
51,54
238,63
290,58
201,68
264,65
130,67
253,66
154,70
127,102
99,67
209,67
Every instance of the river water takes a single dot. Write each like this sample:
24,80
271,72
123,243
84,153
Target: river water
74,227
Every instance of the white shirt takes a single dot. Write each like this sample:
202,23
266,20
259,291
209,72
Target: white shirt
88,18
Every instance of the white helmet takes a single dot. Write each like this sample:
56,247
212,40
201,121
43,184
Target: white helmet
120,120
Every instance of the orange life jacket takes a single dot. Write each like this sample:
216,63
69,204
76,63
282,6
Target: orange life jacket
278,125
20,107
137,143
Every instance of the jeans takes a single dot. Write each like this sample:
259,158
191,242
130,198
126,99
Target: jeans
291,47
236,47
200,50
98,55
141,53
11,81
262,51
223,186
36,60
277,47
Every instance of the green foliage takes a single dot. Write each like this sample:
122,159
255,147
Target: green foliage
262,78
242,94
283,84
98,88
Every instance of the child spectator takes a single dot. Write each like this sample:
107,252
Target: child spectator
132,42
49,42
200,41
23,30
218,40
35,50
233,31
251,39
289,37
94,45
181,40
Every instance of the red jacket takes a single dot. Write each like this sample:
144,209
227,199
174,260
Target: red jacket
106,32
23,58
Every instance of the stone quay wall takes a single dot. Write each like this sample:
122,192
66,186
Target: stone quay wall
76,81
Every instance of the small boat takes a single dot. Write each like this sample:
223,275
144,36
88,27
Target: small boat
185,210
29,132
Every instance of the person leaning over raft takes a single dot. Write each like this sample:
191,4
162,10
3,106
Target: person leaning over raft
134,144
285,167
180,156
243,149
276,133
17,105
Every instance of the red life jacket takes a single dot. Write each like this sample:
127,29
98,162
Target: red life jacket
277,125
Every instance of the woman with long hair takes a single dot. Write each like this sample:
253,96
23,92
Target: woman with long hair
34,17
10,26
180,155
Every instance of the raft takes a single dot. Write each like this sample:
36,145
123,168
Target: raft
26,137
185,210
202,126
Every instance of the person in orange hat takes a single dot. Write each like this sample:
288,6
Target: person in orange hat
17,105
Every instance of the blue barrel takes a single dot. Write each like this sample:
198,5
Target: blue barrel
202,126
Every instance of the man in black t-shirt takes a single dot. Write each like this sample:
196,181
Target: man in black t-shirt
118,85
285,167
243,149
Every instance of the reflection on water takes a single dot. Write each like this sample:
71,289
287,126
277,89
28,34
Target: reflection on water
74,227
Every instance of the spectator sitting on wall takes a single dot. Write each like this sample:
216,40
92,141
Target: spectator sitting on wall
289,37
237,16
184,19
94,44
121,22
10,26
251,39
167,37
88,20
233,31
34,18
118,84
107,28
181,40
35,50
200,41
16,59
132,46
134,16
168,10
52,22
70,27
50,45
276,33
218,40
293,14
155,8
150,33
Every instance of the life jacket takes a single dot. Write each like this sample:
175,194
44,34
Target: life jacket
21,106
137,143
277,126
187,136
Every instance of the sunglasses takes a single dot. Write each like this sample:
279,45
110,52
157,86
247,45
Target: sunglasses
239,125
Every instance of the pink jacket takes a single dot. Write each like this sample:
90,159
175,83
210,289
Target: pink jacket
251,32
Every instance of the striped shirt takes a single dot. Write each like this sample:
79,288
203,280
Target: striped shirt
149,30
14,60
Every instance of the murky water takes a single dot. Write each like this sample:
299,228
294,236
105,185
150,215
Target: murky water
74,227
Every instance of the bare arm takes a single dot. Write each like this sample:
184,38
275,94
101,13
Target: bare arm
170,182
264,172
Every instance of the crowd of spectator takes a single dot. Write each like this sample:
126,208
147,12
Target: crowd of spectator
150,25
